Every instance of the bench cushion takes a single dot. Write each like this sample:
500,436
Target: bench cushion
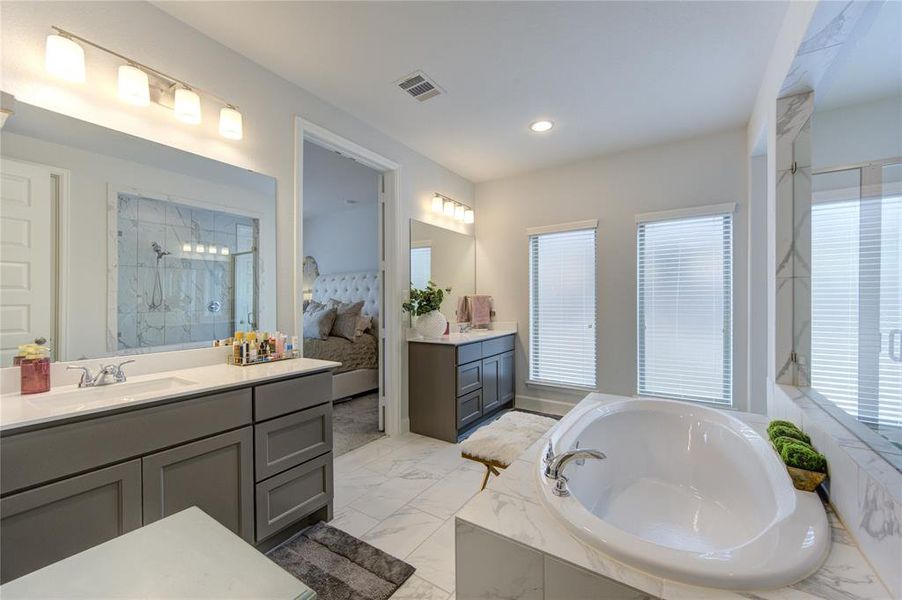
503,440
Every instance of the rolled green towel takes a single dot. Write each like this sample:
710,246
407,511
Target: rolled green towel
801,456
779,423
783,440
793,432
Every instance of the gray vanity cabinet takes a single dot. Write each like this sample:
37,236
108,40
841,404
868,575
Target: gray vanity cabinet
48,523
453,387
215,474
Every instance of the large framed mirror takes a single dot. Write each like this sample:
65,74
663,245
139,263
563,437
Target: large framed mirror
115,245
445,257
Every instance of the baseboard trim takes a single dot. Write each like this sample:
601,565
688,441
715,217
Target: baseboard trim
542,405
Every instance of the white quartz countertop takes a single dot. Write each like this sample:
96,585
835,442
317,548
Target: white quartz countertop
186,555
511,507
459,339
65,402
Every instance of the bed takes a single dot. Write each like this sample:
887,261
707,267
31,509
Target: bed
359,372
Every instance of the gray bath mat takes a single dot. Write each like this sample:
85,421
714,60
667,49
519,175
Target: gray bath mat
338,566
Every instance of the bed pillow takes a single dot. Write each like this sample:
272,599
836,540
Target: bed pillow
363,323
345,319
318,324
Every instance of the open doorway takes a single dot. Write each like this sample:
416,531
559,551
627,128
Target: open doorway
347,198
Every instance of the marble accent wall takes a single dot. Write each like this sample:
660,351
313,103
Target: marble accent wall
194,302
793,238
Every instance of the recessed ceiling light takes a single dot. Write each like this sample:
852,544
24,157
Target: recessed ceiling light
541,126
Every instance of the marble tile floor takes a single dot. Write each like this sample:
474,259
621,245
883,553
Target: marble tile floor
400,494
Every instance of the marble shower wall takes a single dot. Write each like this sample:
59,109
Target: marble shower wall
793,238
197,277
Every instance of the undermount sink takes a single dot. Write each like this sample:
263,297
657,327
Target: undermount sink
116,391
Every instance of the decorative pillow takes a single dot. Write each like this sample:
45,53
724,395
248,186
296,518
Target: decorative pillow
363,323
345,319
318,324
312,306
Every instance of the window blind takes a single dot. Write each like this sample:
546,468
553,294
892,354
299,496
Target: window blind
684,312
856,293
420,266
562,308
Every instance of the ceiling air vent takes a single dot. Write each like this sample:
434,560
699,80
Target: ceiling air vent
419,86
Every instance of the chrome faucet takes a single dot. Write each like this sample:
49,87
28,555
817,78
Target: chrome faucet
102,378
555,464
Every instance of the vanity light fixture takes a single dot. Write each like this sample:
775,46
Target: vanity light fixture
134,87
438,204
186,247
224,251
443,205
138,83
541,126
64,58
199,248
211,249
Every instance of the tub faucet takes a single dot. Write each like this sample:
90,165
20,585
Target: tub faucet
554,469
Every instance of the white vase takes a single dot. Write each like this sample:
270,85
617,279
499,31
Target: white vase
431,325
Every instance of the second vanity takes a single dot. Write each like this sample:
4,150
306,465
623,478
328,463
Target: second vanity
250,446
458,380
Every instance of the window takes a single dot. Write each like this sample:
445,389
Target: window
420,266
562,305
856,292
685,305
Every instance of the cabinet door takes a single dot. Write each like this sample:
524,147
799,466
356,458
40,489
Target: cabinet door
215,474
288,441
469,378
490,371
469,408
55,521
506,388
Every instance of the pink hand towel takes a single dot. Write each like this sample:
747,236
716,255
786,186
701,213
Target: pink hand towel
463,310
480,310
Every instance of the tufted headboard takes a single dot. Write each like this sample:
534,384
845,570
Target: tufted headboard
350,287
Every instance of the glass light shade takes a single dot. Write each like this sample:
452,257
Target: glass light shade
186,247
134,86
469,216
187,106
449,208
199,248
65,59
541,126
437,204
211,250
230,124
459,212
224,251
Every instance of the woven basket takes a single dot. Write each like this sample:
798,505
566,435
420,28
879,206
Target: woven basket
807,481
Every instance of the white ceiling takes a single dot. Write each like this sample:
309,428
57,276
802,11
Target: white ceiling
612,75
334,183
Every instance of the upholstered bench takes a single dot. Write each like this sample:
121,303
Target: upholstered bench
497,444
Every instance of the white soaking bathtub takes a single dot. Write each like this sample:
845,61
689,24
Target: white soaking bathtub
687,492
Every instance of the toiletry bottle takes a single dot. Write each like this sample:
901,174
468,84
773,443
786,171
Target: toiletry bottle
236,347
34,368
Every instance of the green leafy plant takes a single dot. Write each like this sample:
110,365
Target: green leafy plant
779,423
426,300
780,442
784,431
802,456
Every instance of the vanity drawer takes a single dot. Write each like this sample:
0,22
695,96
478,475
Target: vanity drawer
469,352
469,408
42,455
288,441
469,378
292,495
283,397
497,345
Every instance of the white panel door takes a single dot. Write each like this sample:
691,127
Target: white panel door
26,248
